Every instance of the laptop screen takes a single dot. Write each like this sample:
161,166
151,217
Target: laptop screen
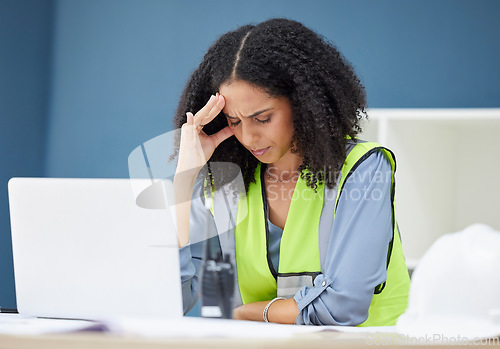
84,249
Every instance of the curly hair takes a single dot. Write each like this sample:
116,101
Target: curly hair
284,58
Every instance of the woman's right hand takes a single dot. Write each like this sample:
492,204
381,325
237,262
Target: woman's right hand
196,147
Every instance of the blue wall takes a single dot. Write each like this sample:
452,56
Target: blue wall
25,47
119,67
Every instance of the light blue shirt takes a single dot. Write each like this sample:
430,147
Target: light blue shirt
357,251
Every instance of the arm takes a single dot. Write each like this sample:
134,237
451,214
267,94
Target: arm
283,311
357,250
190,255
195,149
357,256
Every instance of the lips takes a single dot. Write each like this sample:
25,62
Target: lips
260,152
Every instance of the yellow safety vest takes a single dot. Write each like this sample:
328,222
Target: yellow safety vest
299,252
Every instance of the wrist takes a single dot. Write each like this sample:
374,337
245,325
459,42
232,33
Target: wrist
185,178
187,173
265,313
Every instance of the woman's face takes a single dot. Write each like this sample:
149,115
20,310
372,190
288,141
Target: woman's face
263,124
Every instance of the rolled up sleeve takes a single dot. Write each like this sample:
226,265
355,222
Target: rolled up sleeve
357,250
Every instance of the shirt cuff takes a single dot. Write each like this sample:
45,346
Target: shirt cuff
188,269
307,294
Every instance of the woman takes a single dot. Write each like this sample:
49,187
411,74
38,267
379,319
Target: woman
320,231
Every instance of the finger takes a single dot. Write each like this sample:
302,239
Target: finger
217,108
190,118
222,135
206,108
214,111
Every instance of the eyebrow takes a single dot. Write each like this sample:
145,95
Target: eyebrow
251,116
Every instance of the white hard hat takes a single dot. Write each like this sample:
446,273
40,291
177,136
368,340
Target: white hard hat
455,289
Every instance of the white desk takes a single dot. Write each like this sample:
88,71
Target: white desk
310,340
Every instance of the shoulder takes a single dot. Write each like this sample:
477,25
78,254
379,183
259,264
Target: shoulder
378,159
374,168
368,156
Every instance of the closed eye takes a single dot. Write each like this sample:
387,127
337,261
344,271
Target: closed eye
236,123
258,120
263,121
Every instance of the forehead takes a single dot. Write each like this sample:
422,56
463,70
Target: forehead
243,98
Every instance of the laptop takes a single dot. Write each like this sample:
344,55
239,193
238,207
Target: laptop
85,249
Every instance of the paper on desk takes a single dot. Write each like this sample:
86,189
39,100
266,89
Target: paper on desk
190,327
19,325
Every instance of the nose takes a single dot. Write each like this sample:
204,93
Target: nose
249,134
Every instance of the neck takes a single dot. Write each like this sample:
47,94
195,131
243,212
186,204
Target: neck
286,167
